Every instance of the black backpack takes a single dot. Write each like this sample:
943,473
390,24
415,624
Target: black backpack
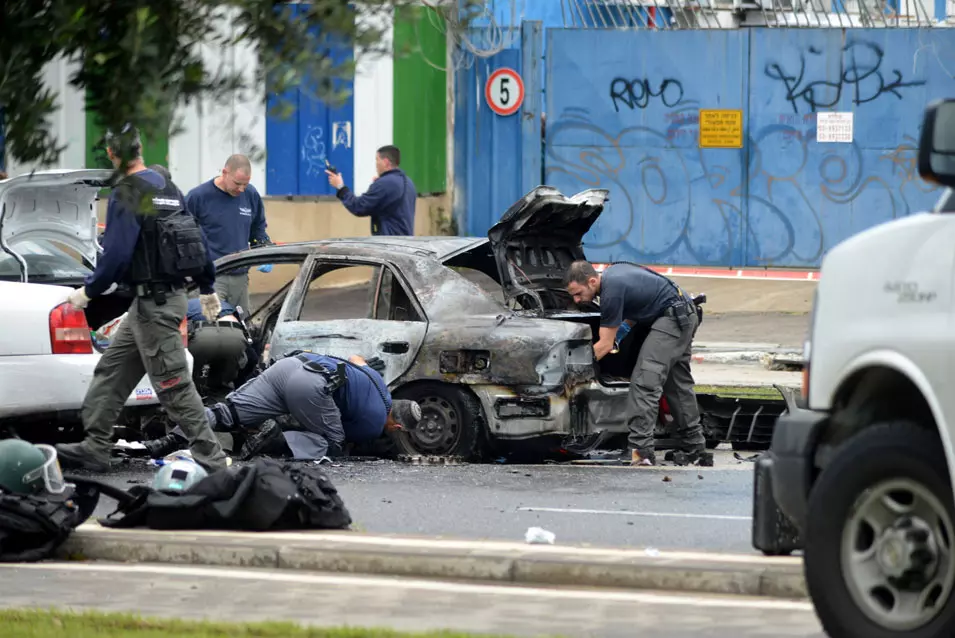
267,495
33,528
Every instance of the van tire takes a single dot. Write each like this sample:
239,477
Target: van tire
861,468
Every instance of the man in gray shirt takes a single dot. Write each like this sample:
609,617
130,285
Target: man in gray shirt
638,296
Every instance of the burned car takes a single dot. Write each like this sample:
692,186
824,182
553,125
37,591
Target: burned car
478,331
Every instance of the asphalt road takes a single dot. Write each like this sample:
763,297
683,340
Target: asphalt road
402,604
662,508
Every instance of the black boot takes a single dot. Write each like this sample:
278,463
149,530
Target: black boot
158,448
266,441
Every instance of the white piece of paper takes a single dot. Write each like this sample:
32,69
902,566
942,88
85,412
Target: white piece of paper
834,127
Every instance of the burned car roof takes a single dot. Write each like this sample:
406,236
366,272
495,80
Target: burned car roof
443,293
439,247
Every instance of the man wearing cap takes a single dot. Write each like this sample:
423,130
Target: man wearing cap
333,400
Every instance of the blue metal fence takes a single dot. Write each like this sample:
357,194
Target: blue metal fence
296,147
622,113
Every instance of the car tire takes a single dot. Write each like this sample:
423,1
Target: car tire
883,467
451,422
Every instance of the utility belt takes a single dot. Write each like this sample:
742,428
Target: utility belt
336,378
681,310
216,324
159,291
236,424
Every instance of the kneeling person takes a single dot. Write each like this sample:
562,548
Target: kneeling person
333,400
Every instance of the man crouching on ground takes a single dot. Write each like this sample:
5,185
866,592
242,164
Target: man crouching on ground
333,400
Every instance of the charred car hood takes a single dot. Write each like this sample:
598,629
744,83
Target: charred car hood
56,206
541,234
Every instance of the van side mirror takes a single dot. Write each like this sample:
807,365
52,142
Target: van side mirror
937,143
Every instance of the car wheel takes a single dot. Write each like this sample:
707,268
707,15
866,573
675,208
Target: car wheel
450,422
879,556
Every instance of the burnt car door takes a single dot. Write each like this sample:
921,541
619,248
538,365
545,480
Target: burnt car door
271,293
354,306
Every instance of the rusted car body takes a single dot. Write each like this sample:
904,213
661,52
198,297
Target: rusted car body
477,330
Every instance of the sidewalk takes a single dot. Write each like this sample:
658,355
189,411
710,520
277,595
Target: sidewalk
513,563
736,375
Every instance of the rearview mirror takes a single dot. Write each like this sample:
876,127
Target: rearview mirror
937,143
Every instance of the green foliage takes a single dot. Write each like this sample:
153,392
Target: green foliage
139,60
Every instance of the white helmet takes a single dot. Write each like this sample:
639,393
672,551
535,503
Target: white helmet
178,476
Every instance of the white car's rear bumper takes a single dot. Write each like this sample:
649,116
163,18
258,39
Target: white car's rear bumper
56,382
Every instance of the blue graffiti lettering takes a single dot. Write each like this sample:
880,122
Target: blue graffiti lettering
670,200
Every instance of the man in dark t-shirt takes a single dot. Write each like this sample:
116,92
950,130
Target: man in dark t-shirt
638,296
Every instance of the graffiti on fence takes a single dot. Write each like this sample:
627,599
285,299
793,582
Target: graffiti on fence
313,150
637,93
860,72
671,199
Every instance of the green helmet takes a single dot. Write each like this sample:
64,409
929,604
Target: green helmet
178,476
26,468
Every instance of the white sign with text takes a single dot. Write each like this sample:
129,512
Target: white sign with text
834,127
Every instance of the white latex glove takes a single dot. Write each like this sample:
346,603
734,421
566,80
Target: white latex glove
78,298
211,306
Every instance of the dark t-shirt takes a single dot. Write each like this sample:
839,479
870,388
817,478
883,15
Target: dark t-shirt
633,293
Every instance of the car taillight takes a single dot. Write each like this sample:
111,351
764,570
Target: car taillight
69,332
184,331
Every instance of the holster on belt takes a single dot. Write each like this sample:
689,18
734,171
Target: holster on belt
681,311
335,378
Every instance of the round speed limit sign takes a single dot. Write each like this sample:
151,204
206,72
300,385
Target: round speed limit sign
504,91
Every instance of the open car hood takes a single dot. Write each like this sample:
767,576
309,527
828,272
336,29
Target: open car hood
540,235
57,206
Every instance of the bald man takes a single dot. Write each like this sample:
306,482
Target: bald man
230,212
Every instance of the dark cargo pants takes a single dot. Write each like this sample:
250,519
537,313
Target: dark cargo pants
223,349
663,367
148,342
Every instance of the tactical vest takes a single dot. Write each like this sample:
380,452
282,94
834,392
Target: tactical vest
170,246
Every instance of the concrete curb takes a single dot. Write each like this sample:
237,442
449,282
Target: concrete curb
515,563
771,360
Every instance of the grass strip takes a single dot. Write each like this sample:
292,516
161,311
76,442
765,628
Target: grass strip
35,623
767,392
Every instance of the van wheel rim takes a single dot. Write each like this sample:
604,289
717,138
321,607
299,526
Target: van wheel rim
897,557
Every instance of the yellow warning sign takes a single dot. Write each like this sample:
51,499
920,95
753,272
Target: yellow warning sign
721,128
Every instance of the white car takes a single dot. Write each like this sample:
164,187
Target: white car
865,473
47,246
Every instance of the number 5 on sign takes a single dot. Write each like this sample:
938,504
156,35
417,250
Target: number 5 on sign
504,91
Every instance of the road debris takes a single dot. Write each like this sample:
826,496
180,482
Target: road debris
419,459
539,536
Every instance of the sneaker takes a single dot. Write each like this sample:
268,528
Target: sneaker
700,457
78,456
636,460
